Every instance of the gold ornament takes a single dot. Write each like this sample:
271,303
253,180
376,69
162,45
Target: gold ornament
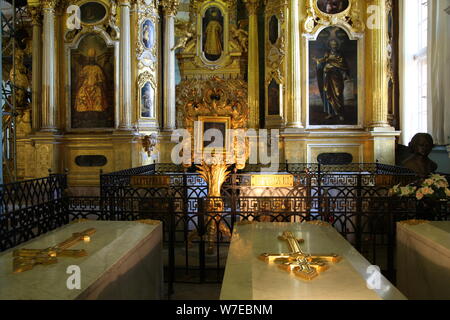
26,259
305,266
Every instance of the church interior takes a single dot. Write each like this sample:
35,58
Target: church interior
225,150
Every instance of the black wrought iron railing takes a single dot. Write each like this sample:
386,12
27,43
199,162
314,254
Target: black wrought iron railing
352,198
31,208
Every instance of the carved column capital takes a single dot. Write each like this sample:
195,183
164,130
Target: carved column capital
124,3
49,4
252,6
36,15
170,7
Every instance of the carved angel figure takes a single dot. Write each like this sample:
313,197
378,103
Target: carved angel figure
185,31
241,36
149,142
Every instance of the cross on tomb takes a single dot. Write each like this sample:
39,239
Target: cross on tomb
304,265
26,259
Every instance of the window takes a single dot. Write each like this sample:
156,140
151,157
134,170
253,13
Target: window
414,38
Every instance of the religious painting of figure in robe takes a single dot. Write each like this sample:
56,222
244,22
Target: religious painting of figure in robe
148,34
333,71
92,12
332,6
213,34
92,84
147,101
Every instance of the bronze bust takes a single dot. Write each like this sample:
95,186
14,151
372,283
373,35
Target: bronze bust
421,146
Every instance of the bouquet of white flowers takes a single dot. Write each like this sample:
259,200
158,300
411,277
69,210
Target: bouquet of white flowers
435,187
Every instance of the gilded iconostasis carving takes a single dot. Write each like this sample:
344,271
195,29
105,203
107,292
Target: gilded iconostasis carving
147,55
211,42
331,12
213,47
276,64
136,67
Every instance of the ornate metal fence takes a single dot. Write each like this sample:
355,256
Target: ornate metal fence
352,198
31,208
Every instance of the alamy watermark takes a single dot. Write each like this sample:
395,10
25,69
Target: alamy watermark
231,146
374,278
74,280
73,17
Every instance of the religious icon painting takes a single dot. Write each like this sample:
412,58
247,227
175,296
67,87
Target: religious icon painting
92,12
147,101
92,84
213,33
273,29
332,6
273,95
214,132
148,34
333,74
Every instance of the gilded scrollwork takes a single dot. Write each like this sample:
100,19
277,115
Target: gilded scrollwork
185,31
240,36
107,24
170,7
213,97
112,26
316,18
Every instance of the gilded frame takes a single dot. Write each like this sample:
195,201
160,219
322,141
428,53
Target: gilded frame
145,78
275,61
324,14
226,34
316,18
147,57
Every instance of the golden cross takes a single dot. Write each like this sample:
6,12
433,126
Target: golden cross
26,259
304,265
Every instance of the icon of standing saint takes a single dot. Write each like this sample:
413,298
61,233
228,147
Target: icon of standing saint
332,70
148,34
213,34
91,95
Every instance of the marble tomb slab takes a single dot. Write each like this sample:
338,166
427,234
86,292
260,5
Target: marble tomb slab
423,260
248,278
124,262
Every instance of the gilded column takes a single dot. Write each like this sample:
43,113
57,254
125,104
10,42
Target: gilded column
253,63
294,112
170,10
37,71
125,66
378,55
48,67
